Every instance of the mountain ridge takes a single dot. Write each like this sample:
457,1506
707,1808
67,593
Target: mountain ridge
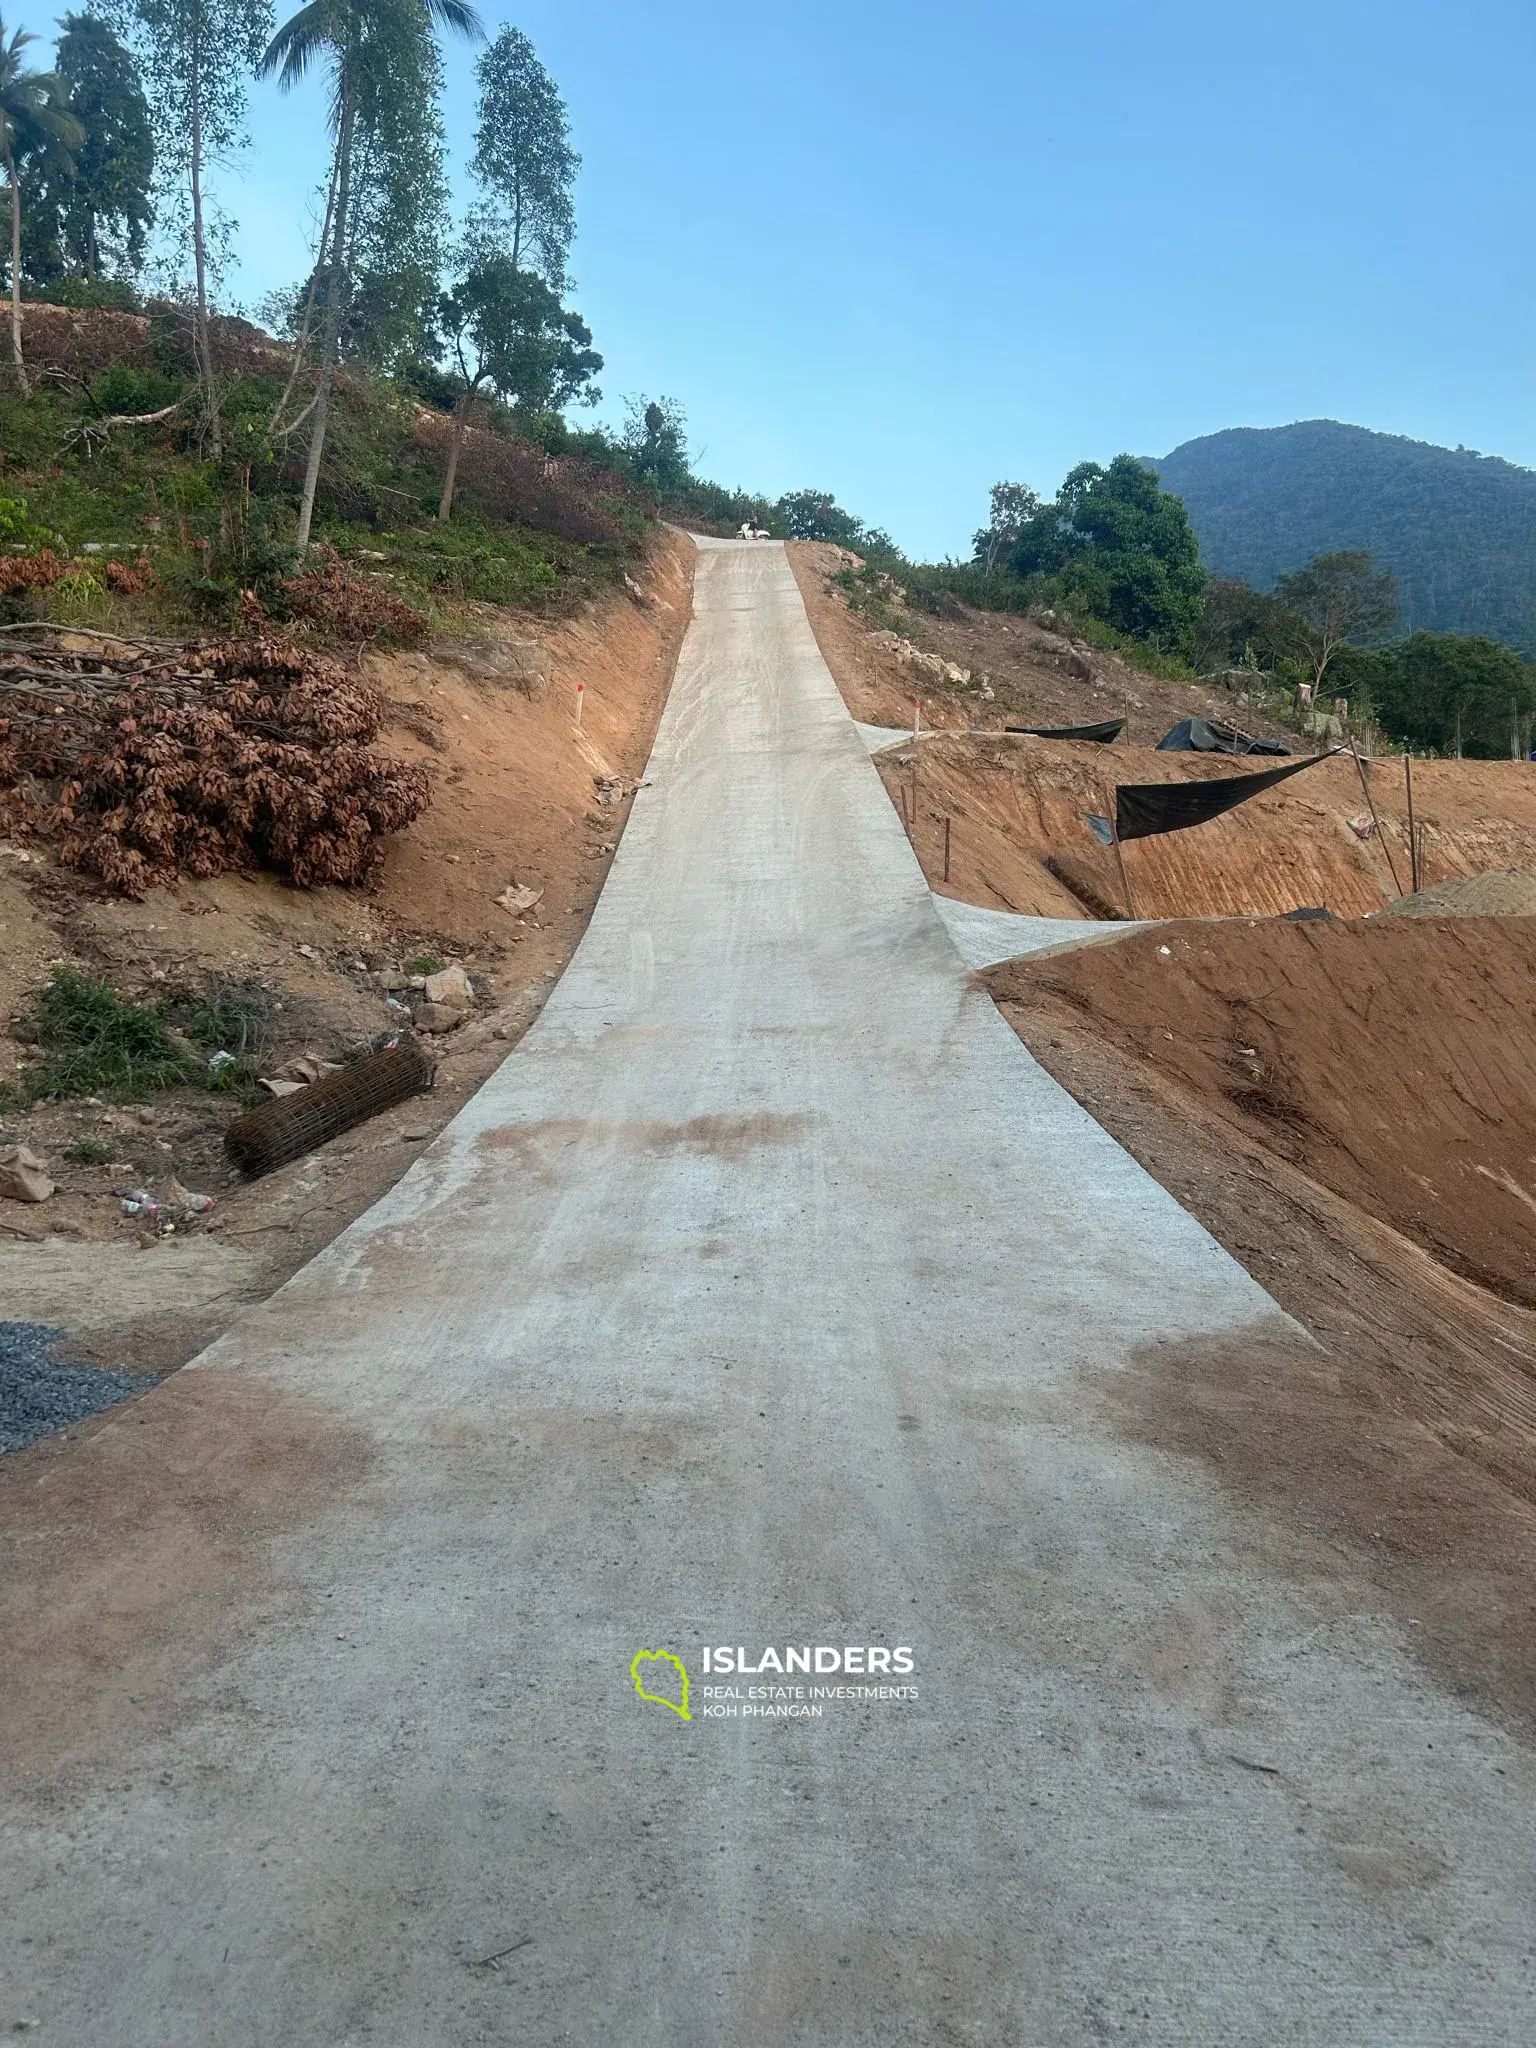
1456,527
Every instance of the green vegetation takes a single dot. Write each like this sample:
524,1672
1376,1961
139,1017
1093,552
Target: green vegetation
1457,529
94,1043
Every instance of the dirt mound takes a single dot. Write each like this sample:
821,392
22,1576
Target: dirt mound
1390,1062
1502,892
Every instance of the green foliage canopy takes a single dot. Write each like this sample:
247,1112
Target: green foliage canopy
1120,549
523,158
93,210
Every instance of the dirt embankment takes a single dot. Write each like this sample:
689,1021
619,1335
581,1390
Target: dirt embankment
1018,837
1351,1109
1015,808
1021,673
517,797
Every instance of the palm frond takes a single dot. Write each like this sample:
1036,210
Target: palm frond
298,43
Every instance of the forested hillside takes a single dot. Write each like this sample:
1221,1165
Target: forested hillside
1457,529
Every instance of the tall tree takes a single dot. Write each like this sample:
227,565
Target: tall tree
656,435
509,334
104,209
523,157
198,56
34,118
1341,598
1121,548
357,41
1013,507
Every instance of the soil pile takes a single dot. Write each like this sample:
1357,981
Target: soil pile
1502,892
1019,839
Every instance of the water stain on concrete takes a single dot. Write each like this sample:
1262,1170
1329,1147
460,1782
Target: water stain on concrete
719,1136
141,1554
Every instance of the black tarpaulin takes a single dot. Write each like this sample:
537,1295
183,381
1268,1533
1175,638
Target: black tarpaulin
1145,808
1205,736
1106,731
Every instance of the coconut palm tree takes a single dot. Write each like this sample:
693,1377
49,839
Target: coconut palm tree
342,34
34,116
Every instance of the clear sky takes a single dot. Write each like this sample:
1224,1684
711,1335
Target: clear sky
900,251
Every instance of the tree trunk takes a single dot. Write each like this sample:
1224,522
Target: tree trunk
456,442
301,341
203,348
16,356
335,287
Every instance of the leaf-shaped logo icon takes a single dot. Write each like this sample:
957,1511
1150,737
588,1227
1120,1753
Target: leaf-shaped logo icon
643,1667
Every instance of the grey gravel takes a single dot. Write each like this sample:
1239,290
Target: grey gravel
41,1392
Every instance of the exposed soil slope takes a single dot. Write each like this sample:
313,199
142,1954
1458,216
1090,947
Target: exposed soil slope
1032,675
1016,806
1351,1109
515,798
1017,830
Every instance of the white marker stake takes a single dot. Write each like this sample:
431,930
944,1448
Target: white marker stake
581,691
917,717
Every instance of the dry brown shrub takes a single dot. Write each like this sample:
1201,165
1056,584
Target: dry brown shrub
250,754
19,573
131,579
516,481
349,606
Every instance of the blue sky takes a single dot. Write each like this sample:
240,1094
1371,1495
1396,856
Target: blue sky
901,251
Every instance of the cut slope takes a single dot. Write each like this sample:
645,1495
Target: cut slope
1390,1061
1018,840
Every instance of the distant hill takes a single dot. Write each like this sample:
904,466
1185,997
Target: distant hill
1458,529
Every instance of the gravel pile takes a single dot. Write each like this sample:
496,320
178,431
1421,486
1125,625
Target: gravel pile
1501,892
41,1392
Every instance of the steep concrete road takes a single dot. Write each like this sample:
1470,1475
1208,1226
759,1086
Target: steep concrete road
763,1299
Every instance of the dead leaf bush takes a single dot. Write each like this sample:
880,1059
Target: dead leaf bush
141,764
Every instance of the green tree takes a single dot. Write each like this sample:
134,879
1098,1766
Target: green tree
1455,693
509,334
34,121
816,515
1341,599
196,60
656,438
1240,627
1121,550
1013,507
99,212
361,42
523,158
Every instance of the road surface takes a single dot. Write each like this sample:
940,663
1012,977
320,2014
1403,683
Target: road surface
765,1298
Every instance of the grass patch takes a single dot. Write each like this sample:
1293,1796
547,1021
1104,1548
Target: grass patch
95,1043
424,963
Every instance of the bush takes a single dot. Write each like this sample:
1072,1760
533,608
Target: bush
90,294
349,606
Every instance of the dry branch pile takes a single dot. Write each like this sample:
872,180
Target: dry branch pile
142,761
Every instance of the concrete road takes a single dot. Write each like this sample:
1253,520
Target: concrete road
763,1300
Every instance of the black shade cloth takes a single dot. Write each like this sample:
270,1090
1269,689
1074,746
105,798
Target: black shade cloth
1107,730
1145,808
1205,736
